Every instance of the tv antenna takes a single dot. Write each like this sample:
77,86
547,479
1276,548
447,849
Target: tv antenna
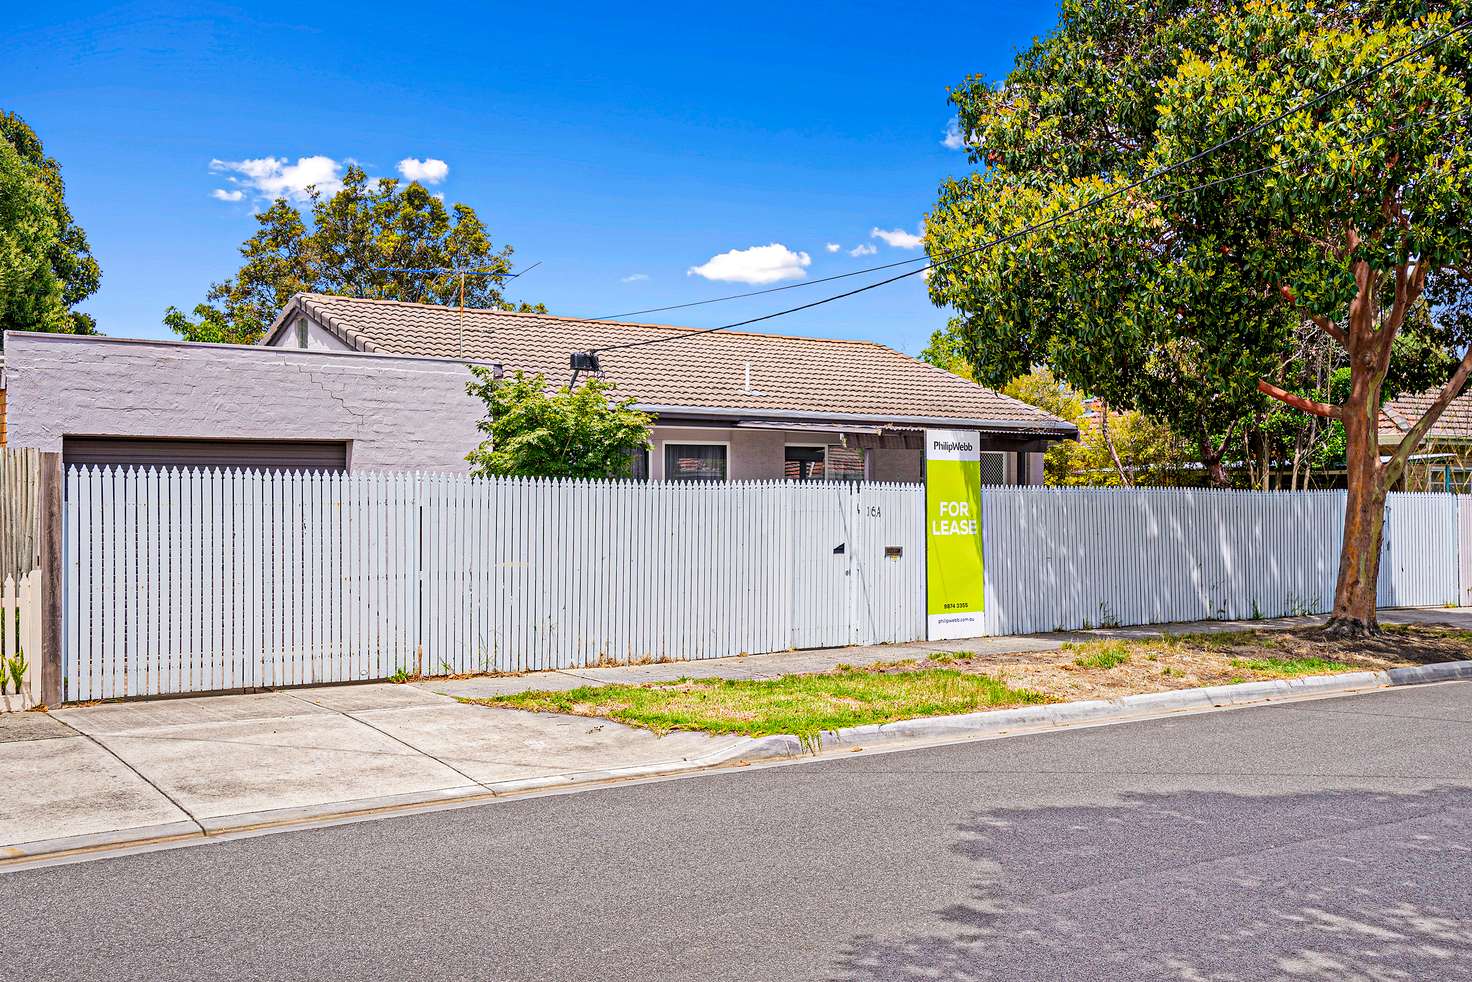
461,273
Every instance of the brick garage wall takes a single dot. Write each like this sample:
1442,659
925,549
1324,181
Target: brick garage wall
398,413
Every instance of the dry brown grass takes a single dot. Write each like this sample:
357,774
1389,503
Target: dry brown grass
1110,668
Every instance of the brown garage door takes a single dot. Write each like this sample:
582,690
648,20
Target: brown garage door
283,455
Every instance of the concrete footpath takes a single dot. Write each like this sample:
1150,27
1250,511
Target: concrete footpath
90,777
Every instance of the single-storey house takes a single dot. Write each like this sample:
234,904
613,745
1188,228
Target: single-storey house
1443,462
343,383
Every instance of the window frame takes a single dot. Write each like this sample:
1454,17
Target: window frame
807,446
664,468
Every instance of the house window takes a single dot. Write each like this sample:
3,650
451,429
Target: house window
301,332
1457,480
844,464
639,464
993,467
803,463
694,462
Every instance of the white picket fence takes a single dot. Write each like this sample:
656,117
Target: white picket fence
20,640
1063,559
189,581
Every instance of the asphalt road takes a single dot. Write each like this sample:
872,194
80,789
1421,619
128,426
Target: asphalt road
1322,840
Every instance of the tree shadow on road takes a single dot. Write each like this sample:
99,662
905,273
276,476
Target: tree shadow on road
1204,887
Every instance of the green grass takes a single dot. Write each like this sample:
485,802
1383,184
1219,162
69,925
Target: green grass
1100,654
799,704
1290,666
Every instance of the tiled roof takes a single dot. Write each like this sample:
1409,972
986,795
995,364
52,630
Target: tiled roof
710,370
1399,415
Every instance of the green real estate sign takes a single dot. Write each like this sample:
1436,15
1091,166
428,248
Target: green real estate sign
953,568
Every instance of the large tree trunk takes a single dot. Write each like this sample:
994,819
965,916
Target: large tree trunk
1364,518
1211,458
1216,474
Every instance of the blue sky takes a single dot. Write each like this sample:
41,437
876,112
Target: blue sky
619,145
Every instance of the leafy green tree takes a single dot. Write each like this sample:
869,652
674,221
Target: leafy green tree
46,265
341,249
1198,282
30,293
1041,389
1130,449
531,432
1079,104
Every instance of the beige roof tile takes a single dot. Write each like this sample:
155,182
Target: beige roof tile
698,370
1399,415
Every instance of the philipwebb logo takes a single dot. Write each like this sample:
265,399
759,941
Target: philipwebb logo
950,445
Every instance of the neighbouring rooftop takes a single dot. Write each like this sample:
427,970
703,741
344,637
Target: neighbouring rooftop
1399,415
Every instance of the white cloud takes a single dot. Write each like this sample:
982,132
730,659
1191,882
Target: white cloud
863,249
634,278
430,170
274,177
832,247
897,237
953,140
759,264
220,194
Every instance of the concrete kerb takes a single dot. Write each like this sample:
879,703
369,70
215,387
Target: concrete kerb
1035,718
97,841
759,748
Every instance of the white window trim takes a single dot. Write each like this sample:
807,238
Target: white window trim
694,443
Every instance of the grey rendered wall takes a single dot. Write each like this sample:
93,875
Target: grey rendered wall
752,454
905,466
398,413
1035,474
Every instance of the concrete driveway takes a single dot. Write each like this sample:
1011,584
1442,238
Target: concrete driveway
92,775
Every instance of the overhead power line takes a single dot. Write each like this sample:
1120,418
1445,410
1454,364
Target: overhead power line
770,289
1060,218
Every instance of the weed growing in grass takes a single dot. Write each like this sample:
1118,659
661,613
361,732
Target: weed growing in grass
803,705
1299,606
945,657
1103,656
1289,666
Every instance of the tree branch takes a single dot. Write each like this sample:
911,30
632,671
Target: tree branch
1330,328
1124,477
1298,401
